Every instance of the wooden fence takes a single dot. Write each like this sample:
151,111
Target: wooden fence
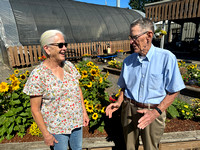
25,56
172,10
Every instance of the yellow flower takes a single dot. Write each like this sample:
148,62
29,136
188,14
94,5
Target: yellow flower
86,102
100,80
16,71
95,116
89,84
27,73
89,108
183,111
4,87
93,72
187,113
23,77
15,85
84,74
186,106
98,106
179,64
107,74
103,110
90,63
12,77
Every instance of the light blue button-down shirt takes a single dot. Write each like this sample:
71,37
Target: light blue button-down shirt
148,80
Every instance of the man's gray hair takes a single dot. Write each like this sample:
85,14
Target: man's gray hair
144,23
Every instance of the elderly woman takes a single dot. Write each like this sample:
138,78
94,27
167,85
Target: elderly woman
56,99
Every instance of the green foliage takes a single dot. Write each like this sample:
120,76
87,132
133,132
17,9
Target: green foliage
180,109
196,108
115,64
139,4
190,73
15,112
93,84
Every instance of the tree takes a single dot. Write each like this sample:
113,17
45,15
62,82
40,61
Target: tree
139,4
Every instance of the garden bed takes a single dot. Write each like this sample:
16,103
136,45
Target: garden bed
172,125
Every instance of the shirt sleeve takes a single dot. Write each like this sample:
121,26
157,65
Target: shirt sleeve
121,82
35,84
174,81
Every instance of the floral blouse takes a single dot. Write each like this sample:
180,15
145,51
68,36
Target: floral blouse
61,102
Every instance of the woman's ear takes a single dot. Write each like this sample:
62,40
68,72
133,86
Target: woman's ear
46,48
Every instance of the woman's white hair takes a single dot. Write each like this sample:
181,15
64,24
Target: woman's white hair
48,37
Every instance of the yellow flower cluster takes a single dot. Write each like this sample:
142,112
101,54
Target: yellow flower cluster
120,50
16,81
115,64
34,130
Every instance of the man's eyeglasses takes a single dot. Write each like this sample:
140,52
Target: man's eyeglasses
60,45
137,36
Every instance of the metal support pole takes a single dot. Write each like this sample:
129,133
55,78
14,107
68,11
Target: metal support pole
163,37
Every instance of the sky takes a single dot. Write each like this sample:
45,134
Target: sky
123,3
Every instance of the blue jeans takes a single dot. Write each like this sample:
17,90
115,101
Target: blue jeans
74,139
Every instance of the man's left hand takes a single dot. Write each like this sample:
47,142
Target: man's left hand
149,117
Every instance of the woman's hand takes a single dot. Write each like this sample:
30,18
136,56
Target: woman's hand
85,119
50,140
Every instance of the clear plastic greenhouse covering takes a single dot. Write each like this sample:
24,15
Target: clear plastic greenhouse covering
23,21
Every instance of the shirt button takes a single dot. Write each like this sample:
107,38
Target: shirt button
143,76
142,86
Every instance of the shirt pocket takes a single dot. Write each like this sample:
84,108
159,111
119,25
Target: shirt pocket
156,81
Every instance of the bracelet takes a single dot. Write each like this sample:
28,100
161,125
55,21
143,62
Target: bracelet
158,110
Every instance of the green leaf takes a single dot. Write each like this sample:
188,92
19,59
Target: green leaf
2,130
14,102
16,128
20,134
18,109
1,138
173,112
9,113
9,137
10,129
23,114
18,120
101,128
15,96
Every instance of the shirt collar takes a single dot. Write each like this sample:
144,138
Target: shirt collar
149,54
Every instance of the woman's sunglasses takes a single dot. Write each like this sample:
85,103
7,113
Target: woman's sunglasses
60,45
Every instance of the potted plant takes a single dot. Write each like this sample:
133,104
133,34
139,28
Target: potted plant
119,53
86,57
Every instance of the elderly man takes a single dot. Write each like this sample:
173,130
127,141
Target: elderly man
150,80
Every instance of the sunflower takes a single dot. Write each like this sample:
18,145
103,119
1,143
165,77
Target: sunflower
93,72
15,85
98,106
16,71
103,110
84,74
100,80
95,116
86,102
89,64
107,74
89,108
12,77
27,73
4,87
23,77
89,84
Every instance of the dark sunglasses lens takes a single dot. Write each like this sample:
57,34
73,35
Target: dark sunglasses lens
60,45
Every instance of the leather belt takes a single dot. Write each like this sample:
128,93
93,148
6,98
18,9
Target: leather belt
141,105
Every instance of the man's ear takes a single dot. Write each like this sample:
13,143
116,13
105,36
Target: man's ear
46,48
149,36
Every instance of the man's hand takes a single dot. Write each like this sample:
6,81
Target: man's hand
112,108
149,117
85,119
50,140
